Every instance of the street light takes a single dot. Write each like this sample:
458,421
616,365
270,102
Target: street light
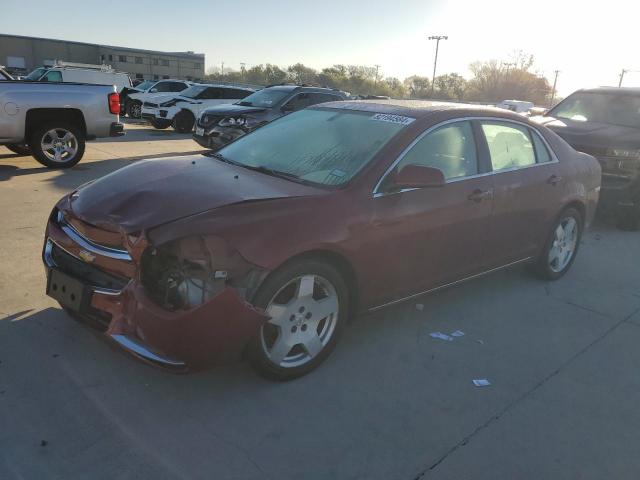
437,38
553,92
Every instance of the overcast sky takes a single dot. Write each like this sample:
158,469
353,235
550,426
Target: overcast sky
589,42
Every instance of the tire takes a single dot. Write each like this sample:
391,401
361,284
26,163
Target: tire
66,151
160,124
306,341
134,109
553,265
20,149
183,122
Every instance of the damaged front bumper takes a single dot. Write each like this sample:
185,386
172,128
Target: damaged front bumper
217,137
109,295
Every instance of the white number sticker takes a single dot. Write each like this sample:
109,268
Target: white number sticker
398,119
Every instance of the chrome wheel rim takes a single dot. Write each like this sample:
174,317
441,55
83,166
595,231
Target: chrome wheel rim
563,247
136,110
59,145
304,313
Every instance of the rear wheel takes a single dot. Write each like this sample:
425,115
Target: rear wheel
134,109
19,148
308,303
562,246
183,122
57,145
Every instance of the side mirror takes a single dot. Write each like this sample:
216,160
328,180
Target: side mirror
418,176
153,90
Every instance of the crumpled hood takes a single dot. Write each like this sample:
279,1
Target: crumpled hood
592,133
232,109
149,193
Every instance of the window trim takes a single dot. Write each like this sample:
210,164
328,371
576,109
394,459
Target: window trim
554,159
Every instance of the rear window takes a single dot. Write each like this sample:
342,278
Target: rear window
620,109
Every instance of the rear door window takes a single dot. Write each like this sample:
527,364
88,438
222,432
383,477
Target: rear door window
510,145
53,76
211,93
176,86
315,98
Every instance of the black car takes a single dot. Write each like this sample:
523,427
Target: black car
219,125
605,122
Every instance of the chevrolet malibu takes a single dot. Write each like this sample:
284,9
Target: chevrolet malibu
269,246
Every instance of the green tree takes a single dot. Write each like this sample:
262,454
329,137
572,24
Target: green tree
450,86
417,86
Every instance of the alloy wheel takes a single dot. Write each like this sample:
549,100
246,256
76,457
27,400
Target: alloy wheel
304,314
59,145
564,244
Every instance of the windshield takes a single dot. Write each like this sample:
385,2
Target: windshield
193,92
266,98
144,85
612,108
327,147
36,74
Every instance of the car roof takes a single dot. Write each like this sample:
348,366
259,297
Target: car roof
422,108
306,88
612,90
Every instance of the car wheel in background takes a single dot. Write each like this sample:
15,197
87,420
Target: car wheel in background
19,148
562,245
160,124
134,109
57,145
183,122
308,303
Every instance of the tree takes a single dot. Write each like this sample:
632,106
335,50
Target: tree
450,86
418,87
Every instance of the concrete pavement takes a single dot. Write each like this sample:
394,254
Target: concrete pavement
390,403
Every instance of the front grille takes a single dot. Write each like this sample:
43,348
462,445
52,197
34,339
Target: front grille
86,272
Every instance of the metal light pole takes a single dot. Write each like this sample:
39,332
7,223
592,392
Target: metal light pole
377,68
622,76
242,69
555,82
437,38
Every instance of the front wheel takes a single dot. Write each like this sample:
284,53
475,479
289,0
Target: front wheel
19,148
57,145
308,303
562,246
183,122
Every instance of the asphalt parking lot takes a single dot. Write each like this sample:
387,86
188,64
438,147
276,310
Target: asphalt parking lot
390,403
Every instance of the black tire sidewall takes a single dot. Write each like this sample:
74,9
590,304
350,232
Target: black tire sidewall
160,124
265,293
543,267
38,154
180,119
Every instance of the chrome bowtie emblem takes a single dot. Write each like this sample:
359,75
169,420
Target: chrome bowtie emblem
86,256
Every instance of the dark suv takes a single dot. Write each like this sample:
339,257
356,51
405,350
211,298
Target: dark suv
219,125
605,122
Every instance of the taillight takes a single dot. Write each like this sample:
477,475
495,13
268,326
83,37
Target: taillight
114,103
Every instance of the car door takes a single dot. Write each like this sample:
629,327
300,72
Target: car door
429,237
527,190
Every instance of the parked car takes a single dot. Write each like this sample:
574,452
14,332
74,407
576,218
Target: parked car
518,106
133,98
80,73
217,126
4,75
272,243
181,110
51,121
605,123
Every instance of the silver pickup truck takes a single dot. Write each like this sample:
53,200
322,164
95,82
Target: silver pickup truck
52,121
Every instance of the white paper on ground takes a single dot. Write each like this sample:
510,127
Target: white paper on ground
457,333
481,382
441,336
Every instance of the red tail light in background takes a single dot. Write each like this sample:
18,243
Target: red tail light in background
114,103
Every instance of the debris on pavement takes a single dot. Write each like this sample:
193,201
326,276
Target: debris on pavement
458,333
43,443
419,307
481,382
481,342
441,336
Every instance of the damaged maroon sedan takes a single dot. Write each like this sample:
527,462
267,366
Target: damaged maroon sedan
270,245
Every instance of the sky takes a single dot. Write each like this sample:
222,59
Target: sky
589,42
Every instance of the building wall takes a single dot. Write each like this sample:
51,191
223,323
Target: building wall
34,52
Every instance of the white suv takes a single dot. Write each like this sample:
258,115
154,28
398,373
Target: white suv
182,109
137,95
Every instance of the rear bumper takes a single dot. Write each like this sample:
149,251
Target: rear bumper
116,129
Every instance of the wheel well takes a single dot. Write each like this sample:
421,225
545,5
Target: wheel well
580,207
342,265
38,116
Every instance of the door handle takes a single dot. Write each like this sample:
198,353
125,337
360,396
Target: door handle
480,195
554,180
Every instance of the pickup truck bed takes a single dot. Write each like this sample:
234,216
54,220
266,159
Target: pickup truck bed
52,121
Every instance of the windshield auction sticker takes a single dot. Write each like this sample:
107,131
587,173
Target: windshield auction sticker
398,119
